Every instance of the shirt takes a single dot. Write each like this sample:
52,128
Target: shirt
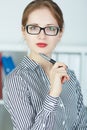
26,97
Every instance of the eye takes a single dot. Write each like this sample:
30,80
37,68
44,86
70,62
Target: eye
51,28
33,27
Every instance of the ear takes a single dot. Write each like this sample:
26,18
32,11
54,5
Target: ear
23,31
61,33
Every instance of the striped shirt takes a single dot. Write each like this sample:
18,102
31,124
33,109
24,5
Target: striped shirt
26,97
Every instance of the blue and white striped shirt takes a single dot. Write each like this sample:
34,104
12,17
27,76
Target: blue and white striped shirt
26,97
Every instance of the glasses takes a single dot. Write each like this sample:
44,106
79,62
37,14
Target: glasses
35,30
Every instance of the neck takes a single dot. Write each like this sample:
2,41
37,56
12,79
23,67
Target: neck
46,65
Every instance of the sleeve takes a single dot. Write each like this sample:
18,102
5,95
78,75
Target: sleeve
22,112
81,123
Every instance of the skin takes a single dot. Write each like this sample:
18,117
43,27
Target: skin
57,76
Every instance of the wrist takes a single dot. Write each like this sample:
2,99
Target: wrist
54,93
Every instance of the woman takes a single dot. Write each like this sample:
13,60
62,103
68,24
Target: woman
38,94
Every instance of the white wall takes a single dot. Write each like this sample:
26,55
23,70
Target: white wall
75,14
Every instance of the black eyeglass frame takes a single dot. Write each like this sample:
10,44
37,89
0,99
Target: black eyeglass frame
58,29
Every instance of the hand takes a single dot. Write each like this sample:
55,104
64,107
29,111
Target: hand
58,76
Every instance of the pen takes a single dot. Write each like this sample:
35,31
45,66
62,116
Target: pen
47,58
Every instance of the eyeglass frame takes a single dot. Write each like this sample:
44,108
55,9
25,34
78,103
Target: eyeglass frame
58,30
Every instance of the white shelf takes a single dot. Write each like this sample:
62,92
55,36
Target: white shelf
13,47
69,48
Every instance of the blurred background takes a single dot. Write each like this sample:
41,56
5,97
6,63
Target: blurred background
72,49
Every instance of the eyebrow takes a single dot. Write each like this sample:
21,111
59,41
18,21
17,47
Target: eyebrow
45,25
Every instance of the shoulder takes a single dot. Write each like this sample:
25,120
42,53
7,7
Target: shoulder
21,69
16,79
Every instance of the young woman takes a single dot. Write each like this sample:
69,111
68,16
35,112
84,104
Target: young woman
38,94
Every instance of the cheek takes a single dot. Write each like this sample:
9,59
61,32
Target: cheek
54,41
29,38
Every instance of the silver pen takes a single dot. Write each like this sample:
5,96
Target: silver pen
47,58
50,59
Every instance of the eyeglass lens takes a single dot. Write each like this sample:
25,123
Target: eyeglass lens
50,30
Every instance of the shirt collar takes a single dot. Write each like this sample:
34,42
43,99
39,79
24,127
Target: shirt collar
34,66
29,63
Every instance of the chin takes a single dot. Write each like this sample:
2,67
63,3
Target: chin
44,51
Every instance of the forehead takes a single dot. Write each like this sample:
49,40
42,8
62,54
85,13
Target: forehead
41,16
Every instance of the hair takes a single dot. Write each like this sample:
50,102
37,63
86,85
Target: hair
38,4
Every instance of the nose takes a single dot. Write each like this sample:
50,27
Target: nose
42,34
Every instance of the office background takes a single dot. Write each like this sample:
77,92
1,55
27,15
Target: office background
75,33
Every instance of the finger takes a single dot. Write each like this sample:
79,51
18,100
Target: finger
61,70
62,73
64,79
60,65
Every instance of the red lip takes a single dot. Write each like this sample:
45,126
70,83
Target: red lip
42,45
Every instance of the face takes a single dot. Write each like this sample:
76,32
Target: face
41,43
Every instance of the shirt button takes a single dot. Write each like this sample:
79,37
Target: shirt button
63,122
43,125
61,105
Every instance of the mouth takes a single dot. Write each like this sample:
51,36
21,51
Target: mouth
41,45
